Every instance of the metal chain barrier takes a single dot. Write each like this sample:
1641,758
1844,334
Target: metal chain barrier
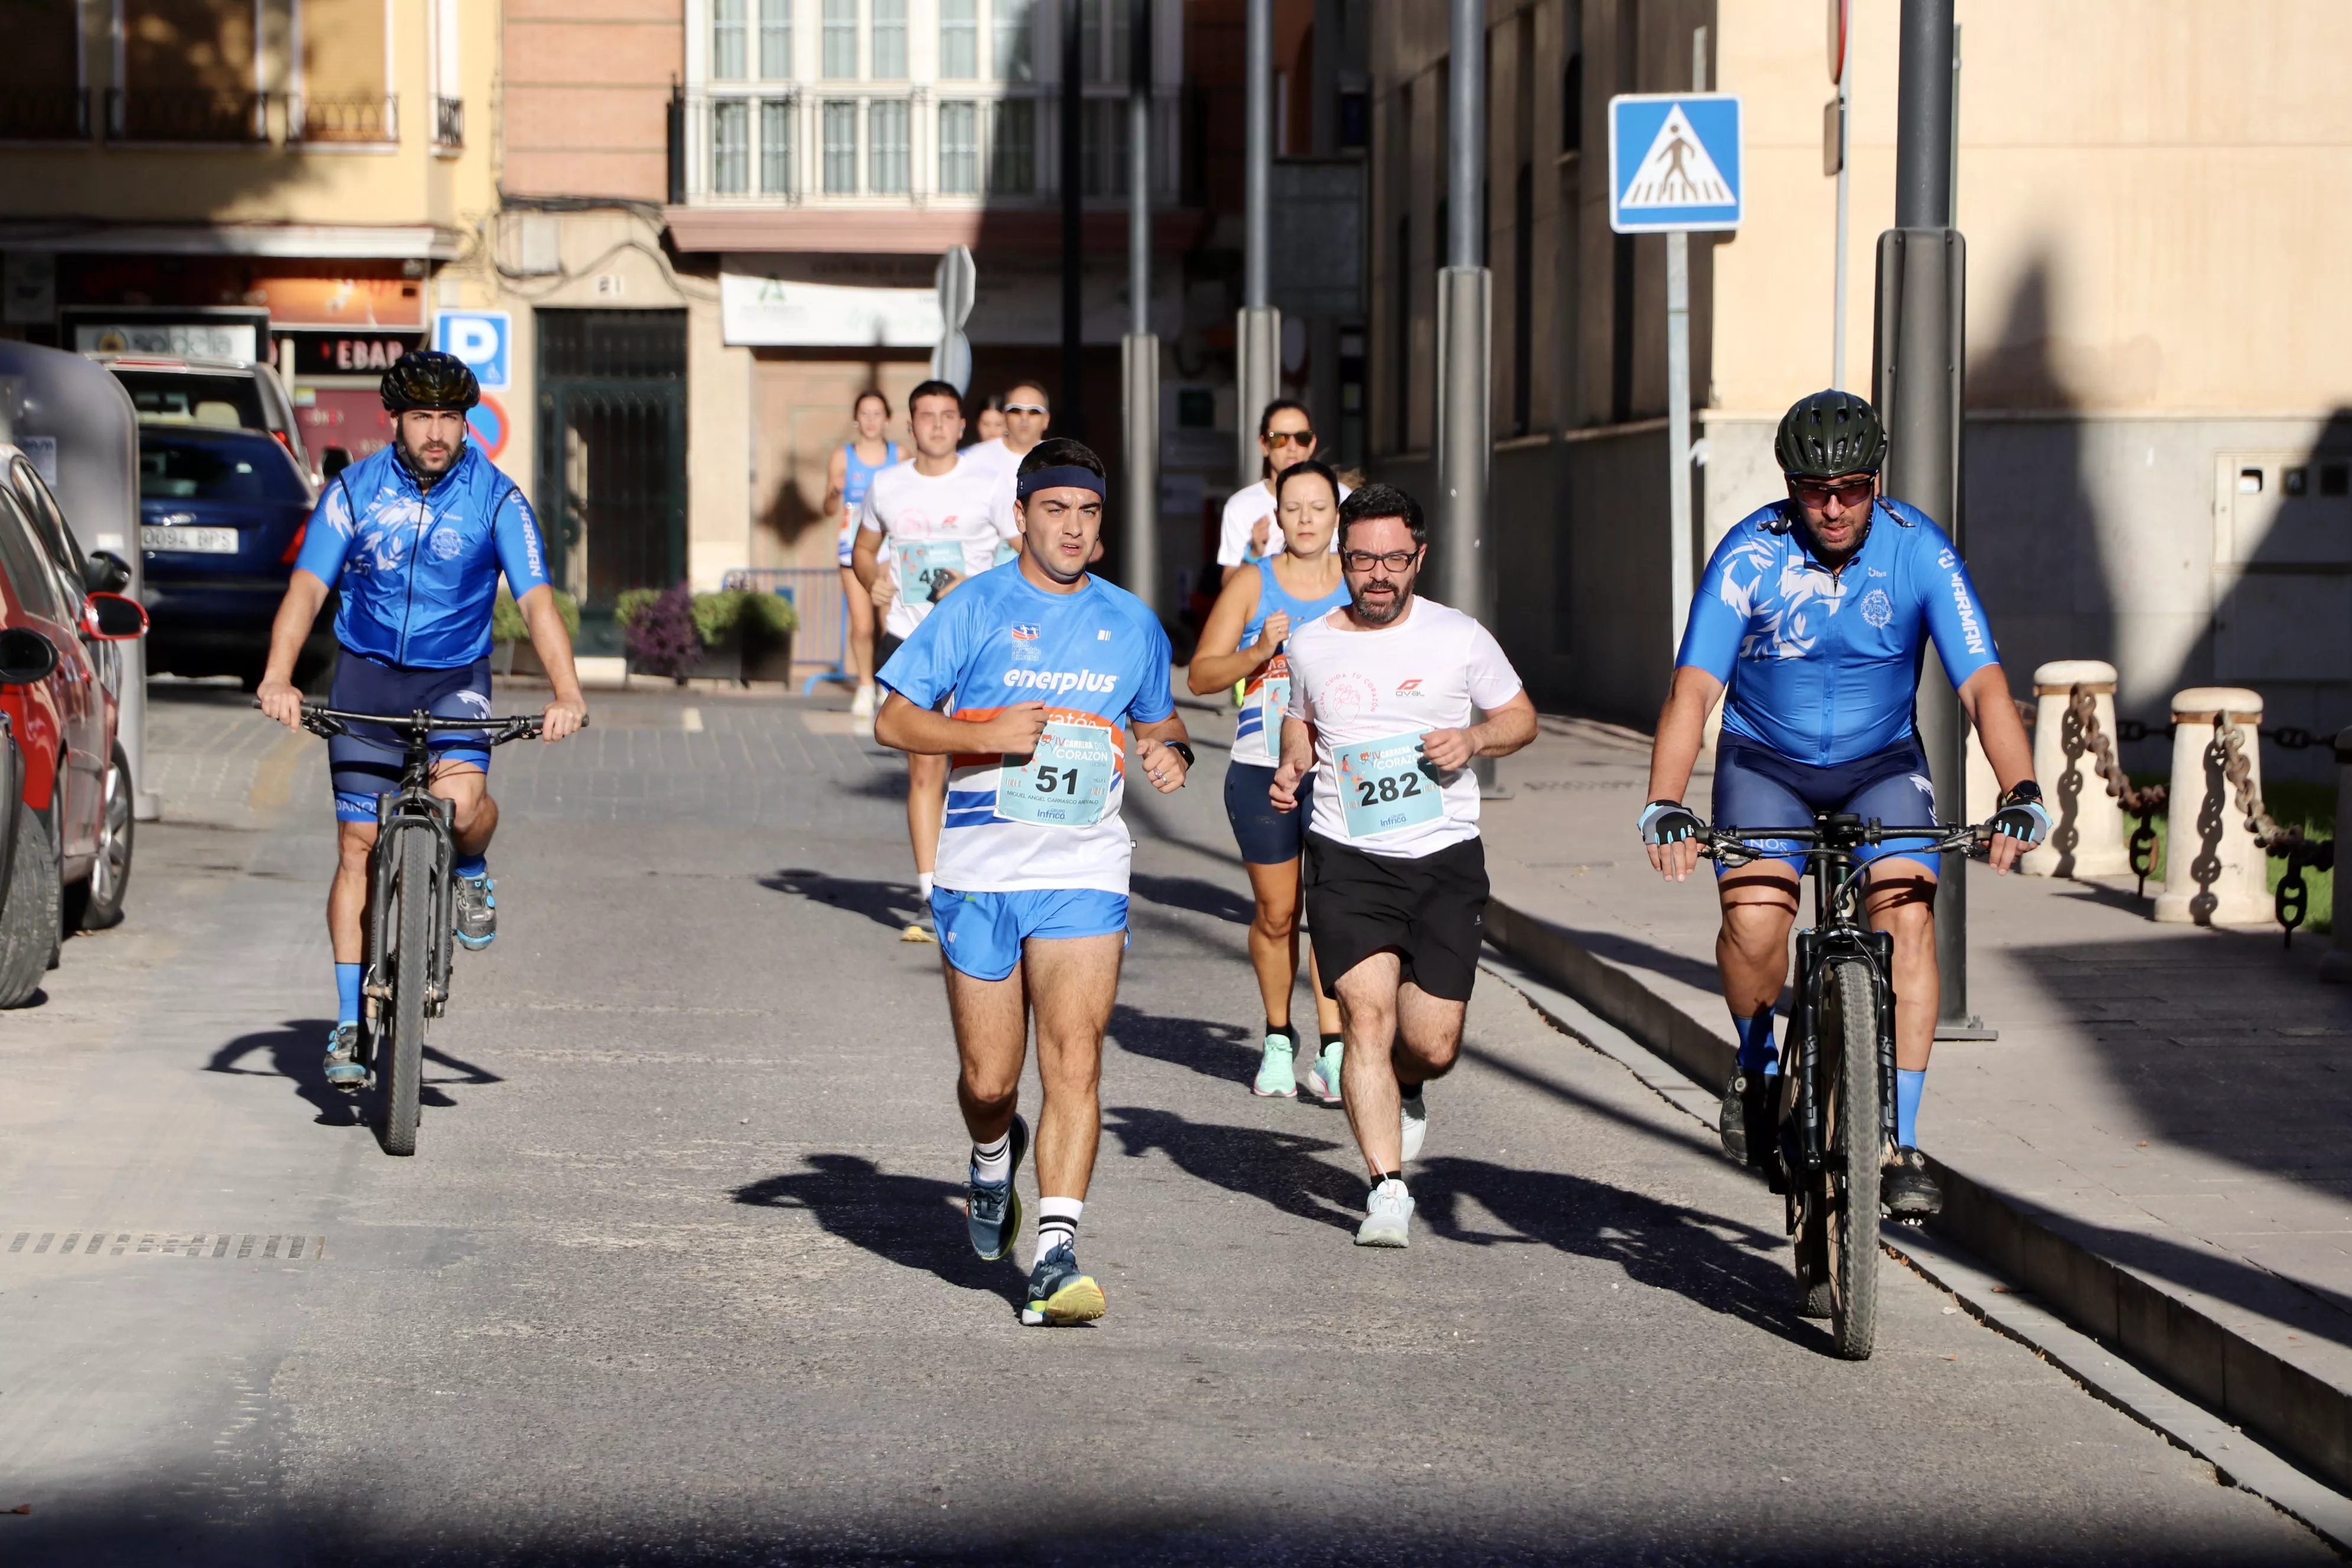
2143,803
2293,898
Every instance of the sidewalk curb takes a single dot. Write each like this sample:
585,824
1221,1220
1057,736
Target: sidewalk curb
2305,1419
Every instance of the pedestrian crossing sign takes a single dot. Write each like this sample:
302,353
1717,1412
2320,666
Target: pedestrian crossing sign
1673,161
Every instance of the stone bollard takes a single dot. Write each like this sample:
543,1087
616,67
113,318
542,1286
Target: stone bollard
2086,823
2336,962
2213,869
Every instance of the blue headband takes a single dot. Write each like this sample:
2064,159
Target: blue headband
1054,478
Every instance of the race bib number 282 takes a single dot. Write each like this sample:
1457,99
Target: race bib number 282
1383,788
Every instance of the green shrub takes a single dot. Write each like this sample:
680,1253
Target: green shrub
507,624
715,615
630,602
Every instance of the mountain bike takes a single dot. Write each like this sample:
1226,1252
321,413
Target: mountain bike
411,912
1836,1110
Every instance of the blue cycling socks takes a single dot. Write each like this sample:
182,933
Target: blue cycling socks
1757,1051
1907,1085
347,993
470,865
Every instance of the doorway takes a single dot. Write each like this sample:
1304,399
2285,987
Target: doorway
611,450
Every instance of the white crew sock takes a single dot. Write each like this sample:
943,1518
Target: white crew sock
1057,1223
993,1162
923,885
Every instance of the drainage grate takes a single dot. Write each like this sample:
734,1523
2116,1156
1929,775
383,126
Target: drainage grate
244,1246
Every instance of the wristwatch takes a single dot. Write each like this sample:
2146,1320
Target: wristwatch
1181,750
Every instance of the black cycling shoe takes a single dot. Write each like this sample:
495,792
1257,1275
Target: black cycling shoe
1906,1186
1745,1120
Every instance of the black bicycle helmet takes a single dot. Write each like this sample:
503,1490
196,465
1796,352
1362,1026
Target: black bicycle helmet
1829,434
430,379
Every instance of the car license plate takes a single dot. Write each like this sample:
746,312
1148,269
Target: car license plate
192,541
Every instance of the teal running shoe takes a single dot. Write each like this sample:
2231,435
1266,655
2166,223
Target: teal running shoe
1323,1078
1278,1070
1058,1294
344,1069
478,912
993,1209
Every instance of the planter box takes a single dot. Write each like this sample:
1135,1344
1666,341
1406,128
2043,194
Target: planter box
516,659
741,659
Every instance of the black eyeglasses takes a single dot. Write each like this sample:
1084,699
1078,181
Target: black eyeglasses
1364,559
1849,493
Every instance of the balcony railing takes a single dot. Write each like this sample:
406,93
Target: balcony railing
45,114
352,116
134,114
448,122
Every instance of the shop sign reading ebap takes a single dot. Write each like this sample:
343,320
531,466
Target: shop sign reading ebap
1673,161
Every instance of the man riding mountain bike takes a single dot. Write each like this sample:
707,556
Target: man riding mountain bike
415,537
1816,613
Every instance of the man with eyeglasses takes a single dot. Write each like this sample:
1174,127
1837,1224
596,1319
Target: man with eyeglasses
1816,614
1249,532
1385,693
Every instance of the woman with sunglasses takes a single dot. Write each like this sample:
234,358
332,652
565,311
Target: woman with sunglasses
1242,642
1250,533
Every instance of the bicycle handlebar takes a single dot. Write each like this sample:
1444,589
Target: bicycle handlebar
327,722
1735,848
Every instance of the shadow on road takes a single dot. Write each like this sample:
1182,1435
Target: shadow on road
1224,1051
890,904
1279,1168
1662,1245
907,1220
1192,893
297,1051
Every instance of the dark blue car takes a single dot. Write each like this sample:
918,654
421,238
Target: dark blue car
221,514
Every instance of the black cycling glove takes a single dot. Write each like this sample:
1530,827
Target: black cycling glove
2021,816
1668,821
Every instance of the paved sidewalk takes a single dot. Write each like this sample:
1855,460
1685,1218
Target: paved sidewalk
2155,1144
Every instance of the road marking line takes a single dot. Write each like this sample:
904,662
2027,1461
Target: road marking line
690,721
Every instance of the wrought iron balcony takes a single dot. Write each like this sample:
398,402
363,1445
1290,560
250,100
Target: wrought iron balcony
45,114
203,114
448,121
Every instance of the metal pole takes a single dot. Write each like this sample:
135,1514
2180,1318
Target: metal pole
1466,314
1071,411
1140,355
1681,547
1257,332
1921,349
1844,184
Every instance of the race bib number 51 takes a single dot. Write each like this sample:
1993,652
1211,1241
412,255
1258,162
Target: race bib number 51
1382,787
1066,782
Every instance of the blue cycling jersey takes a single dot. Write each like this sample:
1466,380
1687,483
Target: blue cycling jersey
419,569
1823,669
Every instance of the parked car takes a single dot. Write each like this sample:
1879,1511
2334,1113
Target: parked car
70,849
221,516
221,395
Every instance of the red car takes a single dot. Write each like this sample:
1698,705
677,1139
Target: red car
67,850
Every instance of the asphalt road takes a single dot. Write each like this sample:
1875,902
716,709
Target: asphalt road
677,1273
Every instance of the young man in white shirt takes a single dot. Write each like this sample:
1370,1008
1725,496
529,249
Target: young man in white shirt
1383,695
1027,416
1249,532
941,518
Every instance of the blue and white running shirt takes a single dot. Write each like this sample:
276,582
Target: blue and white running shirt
1821,668
1099,661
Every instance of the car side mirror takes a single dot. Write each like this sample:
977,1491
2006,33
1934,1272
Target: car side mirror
105,572
26,656
332,461
113,618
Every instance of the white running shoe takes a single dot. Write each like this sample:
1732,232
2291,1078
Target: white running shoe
1415,1116
1388,1213
861,705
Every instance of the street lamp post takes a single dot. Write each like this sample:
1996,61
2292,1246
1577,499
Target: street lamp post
1139,351
1257,331
1466,314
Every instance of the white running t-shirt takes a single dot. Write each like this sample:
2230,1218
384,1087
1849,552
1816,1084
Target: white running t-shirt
1242,509
969,505
1371,695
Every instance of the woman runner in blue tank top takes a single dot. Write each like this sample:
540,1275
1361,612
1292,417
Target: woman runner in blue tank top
1243,641
847,478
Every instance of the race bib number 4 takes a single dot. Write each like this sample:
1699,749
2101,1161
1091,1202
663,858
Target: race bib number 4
1066,782
1382,789
923,564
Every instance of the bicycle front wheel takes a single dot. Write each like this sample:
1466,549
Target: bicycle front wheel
410,965
1852,1132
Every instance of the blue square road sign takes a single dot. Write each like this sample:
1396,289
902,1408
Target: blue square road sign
483,339
1673,161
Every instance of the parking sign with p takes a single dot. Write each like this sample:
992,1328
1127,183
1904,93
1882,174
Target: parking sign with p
482,339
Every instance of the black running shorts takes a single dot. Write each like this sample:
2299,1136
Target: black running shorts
1431,912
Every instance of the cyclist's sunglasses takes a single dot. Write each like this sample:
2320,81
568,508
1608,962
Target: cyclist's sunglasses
1364,559
1026,408
1284,438
1850,492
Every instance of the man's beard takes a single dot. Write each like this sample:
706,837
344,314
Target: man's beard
1383,615
414,463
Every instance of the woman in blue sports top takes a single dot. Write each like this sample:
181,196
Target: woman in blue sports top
854,464
1243,641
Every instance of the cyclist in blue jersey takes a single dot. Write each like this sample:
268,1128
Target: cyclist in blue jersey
1813,620
415,537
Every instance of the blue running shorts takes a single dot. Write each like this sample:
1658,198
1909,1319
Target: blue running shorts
982,934
1266,836
365,762
1757,789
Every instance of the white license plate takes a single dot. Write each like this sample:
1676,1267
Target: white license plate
192,541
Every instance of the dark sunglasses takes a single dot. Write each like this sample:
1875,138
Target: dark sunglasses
1849,493
1284,438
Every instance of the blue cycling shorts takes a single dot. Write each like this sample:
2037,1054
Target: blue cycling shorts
982,934
1266,836
1758,789
365,762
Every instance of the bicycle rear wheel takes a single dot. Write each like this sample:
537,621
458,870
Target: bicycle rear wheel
1851,1131
401,1060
